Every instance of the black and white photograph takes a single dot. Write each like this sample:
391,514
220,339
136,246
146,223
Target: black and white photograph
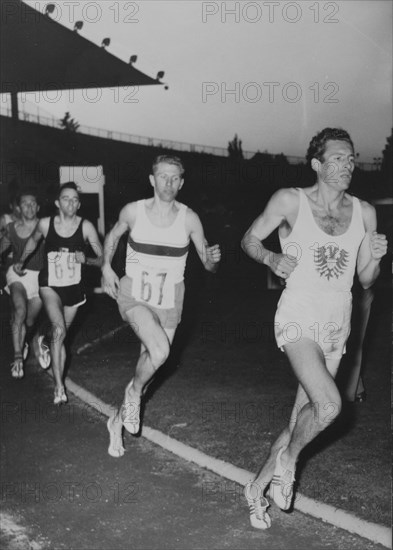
196,210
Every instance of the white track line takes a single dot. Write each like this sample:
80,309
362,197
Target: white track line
100,339
335,516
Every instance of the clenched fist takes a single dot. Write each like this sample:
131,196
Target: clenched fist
213,253
282,265
378,245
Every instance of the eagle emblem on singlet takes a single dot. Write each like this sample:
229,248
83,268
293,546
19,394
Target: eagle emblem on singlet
330,261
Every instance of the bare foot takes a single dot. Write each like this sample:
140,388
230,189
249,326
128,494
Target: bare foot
115,429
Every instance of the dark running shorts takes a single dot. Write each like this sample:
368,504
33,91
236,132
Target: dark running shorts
169,318
70,296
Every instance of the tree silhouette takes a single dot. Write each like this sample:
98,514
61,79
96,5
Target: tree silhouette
263,158
235,148
68,123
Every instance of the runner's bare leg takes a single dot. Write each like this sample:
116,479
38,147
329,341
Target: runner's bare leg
60,318
155,347
308,417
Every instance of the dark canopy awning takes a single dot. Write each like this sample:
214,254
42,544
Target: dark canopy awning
38,53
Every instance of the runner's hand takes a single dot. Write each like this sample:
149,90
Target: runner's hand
282,265
18,268
80,257
110,282
378,245
213,253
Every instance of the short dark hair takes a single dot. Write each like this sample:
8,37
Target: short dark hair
317,146
24,192
168,159
68,185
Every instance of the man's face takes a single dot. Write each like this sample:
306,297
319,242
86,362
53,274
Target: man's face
68,202
338,165
167,181
28,207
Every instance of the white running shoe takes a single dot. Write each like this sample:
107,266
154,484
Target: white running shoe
257,505
281,486
17,368
25,352
43,353
60,396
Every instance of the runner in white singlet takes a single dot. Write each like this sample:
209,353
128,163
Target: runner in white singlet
24,291
150,295
325,234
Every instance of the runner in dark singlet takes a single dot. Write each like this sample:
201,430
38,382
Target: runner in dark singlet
61,280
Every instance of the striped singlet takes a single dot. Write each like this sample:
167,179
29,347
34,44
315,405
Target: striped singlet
156,257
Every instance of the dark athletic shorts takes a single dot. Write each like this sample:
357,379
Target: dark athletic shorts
169,318
70,296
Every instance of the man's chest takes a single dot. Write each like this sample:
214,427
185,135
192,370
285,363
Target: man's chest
333,223
23,231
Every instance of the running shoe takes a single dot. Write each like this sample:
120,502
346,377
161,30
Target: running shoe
25,351
17,368
258,506
43,353
281,486
60,396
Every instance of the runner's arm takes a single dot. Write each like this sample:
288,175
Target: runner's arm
40,232
110,281
90,234
5,242
273,216
210,255
372,248
3,224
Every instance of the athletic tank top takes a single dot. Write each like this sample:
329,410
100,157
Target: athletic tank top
33,262
325,262
158,248
60,267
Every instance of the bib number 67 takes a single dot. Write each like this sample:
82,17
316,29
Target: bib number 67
148,286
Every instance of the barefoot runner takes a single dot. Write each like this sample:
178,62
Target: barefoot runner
150,295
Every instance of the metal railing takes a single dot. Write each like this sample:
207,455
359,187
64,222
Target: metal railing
54,122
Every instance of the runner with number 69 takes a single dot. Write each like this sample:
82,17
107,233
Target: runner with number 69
61,279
